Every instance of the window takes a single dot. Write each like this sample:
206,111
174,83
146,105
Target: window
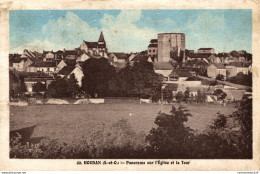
153,50
48,69
150,50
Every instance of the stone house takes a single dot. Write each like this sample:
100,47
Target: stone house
215,69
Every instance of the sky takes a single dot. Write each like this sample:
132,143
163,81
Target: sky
129,30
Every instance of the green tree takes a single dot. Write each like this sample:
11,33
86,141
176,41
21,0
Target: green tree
179,97
39,87
97,73
22,88
199,96
58,88
140,80
172,138
72,85
220,77
167,94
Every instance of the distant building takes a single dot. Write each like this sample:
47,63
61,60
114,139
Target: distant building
67,71
153,48
170,43
215,69
95,48
206,50
234,68
163,68
46,67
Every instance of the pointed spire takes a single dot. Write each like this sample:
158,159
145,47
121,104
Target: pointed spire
101,37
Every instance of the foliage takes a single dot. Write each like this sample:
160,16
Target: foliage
171,138
58,88
97,73
242,79
192,79
220,77
72,85
39,87
167,94
22,88
220,94
179,97
137,81
118,141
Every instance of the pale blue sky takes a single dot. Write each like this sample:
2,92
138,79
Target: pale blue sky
128,30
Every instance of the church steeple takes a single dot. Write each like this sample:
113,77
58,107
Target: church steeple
101,38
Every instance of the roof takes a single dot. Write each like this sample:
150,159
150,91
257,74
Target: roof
153,45
154,41
43,64
121,55
162,66
180,73
219,65
94,44
66,70
140,57
206,48
70,62
101,37
239,64
70,52
199,55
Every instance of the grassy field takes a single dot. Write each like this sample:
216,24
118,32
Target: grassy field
67,122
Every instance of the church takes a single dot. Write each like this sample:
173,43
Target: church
95,48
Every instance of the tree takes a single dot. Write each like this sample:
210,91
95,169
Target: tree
22,88
58,88
179,97
220,94
167,94
199,96
97,73
234,53
187,95
220,77
72,85
39,87
172,138
137,81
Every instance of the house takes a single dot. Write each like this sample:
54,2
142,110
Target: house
95,48
83,57
215,69
34,77
206,50
48,56
118,57
163,68
20,64
140,58
70,54
234,68
66,71
61,64
47,67
153,48
180,75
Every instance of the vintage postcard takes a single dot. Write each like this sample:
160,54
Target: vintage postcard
129,85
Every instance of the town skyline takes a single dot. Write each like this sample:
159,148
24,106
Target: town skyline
223,30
